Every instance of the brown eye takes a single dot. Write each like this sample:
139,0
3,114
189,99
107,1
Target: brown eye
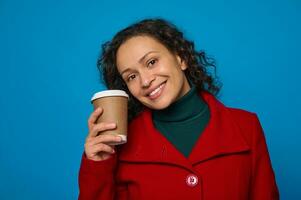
131,77
151,62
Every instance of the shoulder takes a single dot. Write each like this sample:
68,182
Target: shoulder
248,123
241,114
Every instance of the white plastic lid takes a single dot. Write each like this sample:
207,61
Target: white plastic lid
109,93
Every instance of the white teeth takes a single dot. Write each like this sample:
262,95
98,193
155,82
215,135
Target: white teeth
156,90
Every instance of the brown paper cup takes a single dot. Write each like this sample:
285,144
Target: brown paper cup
115,109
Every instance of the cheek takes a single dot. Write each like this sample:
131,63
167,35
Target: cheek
134,89
170,67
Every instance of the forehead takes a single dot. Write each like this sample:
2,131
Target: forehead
135,48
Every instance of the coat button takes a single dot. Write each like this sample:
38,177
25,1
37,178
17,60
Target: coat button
191,180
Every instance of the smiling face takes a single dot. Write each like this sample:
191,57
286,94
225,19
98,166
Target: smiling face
152,73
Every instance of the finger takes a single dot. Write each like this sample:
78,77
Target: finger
107,138
94,116
100,148
96,129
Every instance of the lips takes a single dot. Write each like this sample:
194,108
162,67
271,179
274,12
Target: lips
156,92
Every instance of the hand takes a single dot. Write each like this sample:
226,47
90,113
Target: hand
95,147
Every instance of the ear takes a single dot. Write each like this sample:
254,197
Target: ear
181,62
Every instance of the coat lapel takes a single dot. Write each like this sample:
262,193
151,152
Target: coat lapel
222,135
146,144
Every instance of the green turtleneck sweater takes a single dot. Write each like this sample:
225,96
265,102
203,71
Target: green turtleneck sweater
183,121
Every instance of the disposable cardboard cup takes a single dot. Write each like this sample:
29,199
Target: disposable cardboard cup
115,109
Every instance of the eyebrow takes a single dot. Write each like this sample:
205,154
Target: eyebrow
140,60
143,57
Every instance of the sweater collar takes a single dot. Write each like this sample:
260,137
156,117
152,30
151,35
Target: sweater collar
186,107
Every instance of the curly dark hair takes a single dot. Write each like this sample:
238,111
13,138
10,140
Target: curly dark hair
166,33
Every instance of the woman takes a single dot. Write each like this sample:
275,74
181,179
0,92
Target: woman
182,142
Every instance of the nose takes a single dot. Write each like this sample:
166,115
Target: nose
146,79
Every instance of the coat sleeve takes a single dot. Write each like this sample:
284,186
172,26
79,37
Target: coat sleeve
263,185
97,180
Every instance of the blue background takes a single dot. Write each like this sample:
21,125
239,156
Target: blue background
48,52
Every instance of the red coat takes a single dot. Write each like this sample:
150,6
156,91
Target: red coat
229,161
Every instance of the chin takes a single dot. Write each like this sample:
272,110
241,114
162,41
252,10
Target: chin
162,104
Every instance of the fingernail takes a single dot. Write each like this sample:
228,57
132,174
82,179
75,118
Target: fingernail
113,151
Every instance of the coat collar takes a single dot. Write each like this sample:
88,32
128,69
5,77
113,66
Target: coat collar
221,136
